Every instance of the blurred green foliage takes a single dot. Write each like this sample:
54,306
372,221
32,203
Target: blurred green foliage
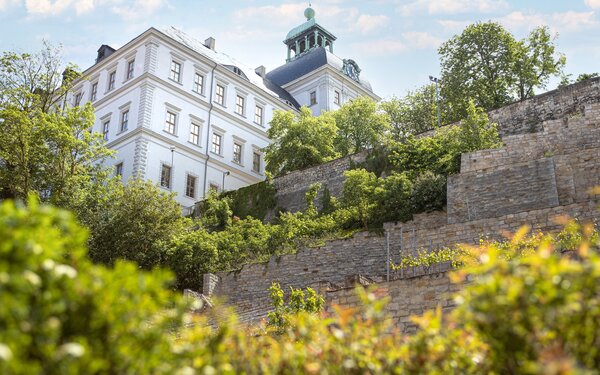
536,313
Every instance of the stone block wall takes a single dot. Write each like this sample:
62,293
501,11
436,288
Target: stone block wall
534,179
328,266
292,187
528,115
406,297
556,166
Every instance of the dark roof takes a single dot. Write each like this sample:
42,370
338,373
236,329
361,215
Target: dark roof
283,94
310,62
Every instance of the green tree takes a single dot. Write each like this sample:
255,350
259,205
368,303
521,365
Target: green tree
361,126
394,201
360,190
441,152
34,82
134,222
45,148
190,255
487,64
477,64
299,141
415,113
535,61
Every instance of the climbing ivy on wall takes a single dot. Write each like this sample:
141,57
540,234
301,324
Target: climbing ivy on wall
255,200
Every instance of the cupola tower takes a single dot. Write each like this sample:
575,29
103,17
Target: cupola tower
308,36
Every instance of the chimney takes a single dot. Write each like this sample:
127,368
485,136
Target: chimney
210,43
69,75
261,71
103,52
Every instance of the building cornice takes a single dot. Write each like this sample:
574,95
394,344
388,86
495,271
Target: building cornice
151,35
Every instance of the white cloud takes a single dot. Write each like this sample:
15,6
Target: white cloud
452,6
559,22
407,41
139,9
328,13
594,4
126,9
382,47
421,40
5,4
46,7
367,23
453,26
278,14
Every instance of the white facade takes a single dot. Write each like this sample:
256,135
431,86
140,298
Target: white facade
191,119
330,87
159,117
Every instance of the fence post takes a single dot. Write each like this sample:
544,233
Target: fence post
387,247
401,251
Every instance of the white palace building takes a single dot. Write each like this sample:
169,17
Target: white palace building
191,119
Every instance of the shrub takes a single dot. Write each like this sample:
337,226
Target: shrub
394,199
298,302
63,315
133,222
360,189
190,255
429,192
215,212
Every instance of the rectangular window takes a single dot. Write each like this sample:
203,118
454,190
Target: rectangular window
170,122
165,176
198,83
111,80
216,143
175,73
194,133
190,186
105,128
237,153
313,98
258,115
94,92
213,187
336,97
256,162
119,169
77,99
239,105
124,120
130,67
220,95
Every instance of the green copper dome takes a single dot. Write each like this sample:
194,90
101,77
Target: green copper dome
300,29
309,13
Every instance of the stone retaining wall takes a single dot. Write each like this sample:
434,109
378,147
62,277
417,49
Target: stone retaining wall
534,180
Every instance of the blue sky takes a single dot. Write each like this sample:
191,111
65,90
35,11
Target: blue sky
394,41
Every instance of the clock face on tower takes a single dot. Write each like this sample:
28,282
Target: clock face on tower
351,69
